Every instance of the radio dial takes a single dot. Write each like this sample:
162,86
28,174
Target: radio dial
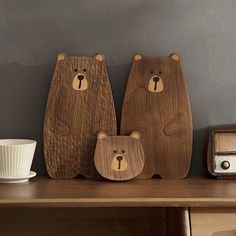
225,165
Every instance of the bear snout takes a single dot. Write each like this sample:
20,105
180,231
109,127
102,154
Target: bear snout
119,163
155,84
80,82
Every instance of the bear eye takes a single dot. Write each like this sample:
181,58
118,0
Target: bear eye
84,70
151,72
76,70
123,151
160,72
114,151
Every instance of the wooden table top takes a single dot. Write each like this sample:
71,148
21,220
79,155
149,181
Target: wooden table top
190,192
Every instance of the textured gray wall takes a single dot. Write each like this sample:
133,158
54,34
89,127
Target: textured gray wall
33,31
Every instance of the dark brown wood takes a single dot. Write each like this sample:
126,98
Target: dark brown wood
178,222
213,148
156,103
83,221
189,192
80,104
119,157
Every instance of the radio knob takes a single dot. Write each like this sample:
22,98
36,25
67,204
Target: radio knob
225,165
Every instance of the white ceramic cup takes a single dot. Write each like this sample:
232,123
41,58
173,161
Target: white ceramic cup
16,156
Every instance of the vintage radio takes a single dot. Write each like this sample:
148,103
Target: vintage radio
221,151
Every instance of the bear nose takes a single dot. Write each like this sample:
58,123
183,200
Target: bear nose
119,158
80,77
156,78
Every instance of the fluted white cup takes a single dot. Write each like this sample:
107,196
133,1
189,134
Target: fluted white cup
16,156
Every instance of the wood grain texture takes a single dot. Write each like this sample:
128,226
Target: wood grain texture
74,116
162,116
190,192
213,221
83,221
119,157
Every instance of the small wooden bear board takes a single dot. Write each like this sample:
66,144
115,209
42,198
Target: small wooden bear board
156,103
80,104
119,157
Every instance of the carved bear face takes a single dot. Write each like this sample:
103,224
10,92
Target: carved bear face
80,72
119,157
155,71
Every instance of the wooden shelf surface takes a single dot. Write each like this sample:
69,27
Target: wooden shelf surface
190,192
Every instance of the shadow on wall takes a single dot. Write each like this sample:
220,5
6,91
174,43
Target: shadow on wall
198,163
118,75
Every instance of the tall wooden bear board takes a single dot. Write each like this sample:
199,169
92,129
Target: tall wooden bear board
80,104
156,103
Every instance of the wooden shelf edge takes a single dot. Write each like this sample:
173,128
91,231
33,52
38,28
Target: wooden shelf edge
125,202
190,192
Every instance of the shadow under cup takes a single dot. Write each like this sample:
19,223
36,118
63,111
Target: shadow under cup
16,156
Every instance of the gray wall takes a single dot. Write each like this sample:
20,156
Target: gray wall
32,32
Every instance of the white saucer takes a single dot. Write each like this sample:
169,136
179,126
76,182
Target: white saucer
16,179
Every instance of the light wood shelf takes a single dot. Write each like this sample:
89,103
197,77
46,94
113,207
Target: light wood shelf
190,192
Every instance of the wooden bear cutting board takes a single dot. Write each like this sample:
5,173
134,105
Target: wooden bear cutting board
156,103
119,157
80,104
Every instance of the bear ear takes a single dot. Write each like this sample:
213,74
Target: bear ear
101,135
137,57
100,57
175,56
136,135
61,56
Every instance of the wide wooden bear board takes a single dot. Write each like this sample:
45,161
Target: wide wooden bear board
80,104
156,103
